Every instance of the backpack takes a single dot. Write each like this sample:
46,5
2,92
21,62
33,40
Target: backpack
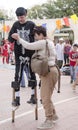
65,69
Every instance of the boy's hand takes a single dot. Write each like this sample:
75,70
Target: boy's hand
15,36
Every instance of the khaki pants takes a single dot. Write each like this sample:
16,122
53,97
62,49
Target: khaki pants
47,86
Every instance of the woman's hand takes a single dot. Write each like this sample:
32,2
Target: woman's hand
15,36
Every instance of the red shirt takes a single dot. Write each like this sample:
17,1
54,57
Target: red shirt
73,55
5,49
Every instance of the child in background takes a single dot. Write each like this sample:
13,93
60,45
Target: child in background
76,74
5,52
73,58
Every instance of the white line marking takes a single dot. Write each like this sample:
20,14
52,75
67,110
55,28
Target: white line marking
29,112
66,100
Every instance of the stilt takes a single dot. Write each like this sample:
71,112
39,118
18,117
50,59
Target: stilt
13,108
36,107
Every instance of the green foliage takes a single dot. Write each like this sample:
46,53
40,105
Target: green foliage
3,15
54,9
50,9
35,13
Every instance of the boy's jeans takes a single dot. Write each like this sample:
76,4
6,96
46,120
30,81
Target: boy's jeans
73,72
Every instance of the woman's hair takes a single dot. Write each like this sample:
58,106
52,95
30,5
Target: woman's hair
40,30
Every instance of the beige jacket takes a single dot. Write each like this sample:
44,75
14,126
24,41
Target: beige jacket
41,47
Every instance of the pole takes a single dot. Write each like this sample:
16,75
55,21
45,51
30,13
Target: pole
36,107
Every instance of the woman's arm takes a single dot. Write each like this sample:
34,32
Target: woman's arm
37,45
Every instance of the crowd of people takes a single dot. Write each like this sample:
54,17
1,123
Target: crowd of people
23,40
67,55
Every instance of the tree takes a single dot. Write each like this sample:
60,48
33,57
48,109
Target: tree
3,14
66,7
54,9
49,10
35,12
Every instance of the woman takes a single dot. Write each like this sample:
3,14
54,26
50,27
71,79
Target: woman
47,82
67,48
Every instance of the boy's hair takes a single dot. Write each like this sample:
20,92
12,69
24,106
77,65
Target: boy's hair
21,11
39,30
75,44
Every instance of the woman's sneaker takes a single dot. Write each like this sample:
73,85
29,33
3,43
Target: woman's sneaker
55,118
48,124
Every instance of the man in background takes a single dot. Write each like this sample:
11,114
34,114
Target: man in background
60,52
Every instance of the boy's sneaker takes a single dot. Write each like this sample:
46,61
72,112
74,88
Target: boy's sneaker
71,81
48,124
73,87
41,101
16,102
32,100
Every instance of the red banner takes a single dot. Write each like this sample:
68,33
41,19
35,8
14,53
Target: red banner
66,21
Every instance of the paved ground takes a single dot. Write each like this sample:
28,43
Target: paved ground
66,104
